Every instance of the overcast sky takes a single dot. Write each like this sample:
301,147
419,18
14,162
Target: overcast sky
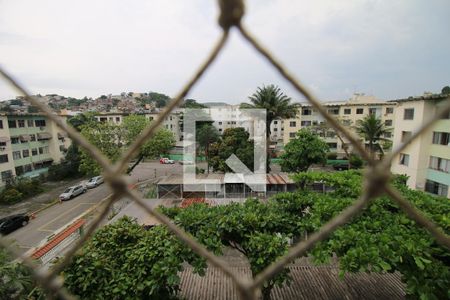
389,49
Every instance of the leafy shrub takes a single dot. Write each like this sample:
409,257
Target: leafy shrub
10,196
356,161
125,261
20,189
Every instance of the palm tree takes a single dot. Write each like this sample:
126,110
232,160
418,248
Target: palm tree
372,129
276,104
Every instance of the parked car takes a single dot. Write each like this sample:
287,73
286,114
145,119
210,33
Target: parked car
341,166
11,223
186,162
94,182
72,192
165,160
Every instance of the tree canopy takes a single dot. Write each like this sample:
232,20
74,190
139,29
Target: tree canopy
372,129
234,141
303,151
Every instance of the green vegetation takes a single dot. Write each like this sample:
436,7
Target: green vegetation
372,129
112,140
125,261
303,151
20,189
277,106
234,141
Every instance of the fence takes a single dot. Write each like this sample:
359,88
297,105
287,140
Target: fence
376,178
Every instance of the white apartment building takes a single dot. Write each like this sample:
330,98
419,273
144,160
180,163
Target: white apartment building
347,112
29,144
427,159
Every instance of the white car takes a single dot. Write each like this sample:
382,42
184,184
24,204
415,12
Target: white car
72,192
94,182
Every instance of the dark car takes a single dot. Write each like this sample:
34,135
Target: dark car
11,223
341,166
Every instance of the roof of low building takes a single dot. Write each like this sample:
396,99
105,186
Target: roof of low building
425,97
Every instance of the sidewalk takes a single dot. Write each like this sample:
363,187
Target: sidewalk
40,201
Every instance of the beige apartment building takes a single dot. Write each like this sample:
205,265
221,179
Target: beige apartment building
427,159
29,144
347,112
172,122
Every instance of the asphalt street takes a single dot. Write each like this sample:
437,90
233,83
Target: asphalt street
58,216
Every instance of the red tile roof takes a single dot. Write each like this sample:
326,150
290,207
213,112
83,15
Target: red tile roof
58,239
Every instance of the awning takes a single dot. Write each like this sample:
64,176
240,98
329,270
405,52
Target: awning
4,139
24,137
44,136
62,135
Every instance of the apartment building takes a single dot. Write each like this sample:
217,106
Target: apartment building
172,122
347,113
427,159
29,144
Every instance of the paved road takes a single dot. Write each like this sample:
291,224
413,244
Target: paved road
59,215
55,217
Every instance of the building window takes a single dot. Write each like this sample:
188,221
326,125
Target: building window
404,159
21,123
440,164
32,137
332,145
388,123
3,144
62,148
306,111
436,188
19,170
15,140
30,123
43,150
389,110
388,135
441,138
292,124
405,136
220,123
118,119
34,152
330,134
12,124
333,111
27,168
408,114
275,129
39,123
359,111
305,123
372,111
347,111
1,124
292,134
6,176
3,158
26,153
16,155
275,122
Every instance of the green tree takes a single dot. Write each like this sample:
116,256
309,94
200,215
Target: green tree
81,119
109,138
372,129
191,103
206,134
277,106
446,90
125,261
303,151
160,143
234,141
160,100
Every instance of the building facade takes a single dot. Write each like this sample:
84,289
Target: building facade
348,113
427,159
29,144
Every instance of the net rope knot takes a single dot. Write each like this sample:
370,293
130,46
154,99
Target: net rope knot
377,179
231,13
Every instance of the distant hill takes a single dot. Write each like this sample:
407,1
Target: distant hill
211,104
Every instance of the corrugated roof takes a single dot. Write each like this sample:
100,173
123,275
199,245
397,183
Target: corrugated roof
309,282
423,97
